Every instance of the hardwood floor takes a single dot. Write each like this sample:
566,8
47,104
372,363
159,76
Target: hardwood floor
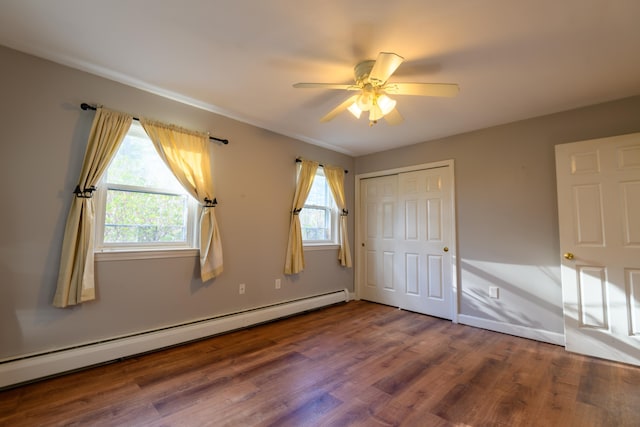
352,364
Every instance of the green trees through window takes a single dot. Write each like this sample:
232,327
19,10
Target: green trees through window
317,216
142,202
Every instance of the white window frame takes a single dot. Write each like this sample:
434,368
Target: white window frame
116,251
331,243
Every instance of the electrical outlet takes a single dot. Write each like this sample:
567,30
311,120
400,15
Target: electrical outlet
241,288
278,283
494,292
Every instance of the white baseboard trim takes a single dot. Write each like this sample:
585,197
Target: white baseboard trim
508,328
64,360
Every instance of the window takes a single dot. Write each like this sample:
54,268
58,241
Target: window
318,218
140,203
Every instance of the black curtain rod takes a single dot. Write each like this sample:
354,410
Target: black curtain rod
86,106
300,161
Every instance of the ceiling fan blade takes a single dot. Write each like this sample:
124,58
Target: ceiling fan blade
325,86
394,117
385,65
422,89
339,109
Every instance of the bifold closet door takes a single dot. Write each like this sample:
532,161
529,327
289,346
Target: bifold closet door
406,222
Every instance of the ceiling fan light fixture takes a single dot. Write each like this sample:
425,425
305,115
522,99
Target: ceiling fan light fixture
365,101
375,113
355,110
385,104
372,84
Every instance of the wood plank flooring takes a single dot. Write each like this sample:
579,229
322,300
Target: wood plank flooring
354,364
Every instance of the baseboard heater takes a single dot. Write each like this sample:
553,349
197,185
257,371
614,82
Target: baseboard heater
25,369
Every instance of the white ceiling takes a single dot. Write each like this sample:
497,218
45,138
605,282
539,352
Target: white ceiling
513,59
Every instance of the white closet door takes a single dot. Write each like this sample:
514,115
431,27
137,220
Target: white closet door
407,221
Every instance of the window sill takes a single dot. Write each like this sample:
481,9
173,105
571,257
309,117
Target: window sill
123,255
320,246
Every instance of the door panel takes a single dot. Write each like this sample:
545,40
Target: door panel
631,212
371,273
407,219
435,280
411,220
388,220
379,221
413,274
588,215
599,217
592,297
633,297
388,270
434,218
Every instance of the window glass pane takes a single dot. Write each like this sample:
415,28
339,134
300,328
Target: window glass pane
316,218
318,193
133,217
138,164
316,223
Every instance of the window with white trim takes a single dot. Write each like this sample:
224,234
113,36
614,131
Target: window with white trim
140,204
318,217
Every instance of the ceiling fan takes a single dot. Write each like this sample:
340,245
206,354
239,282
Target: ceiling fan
373,89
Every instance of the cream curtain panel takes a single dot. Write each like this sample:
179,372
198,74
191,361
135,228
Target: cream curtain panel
294,262
335,179
186,153
76,282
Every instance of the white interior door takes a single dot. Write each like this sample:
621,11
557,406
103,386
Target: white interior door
407,240
599,216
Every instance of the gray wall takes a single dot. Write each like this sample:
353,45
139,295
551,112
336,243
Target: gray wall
44,135
507,224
